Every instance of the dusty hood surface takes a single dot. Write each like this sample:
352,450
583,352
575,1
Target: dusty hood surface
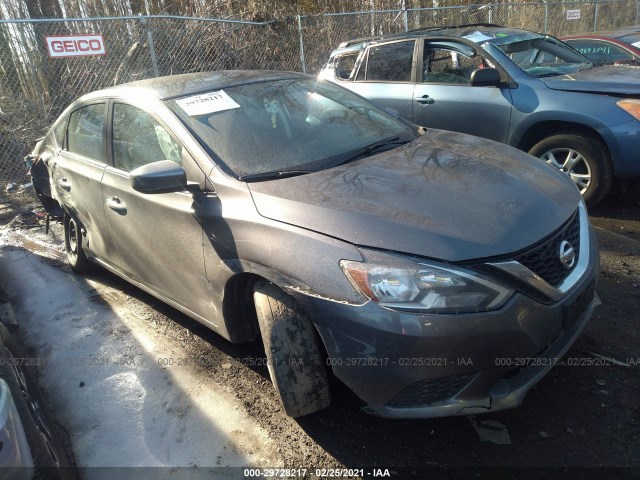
447,196
623,79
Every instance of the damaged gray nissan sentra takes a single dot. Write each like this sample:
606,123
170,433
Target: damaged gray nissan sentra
434,273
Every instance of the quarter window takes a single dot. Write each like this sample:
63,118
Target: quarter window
392,62
345,65
60,130
85,132
139,139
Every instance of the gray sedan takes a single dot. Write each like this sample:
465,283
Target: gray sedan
434,273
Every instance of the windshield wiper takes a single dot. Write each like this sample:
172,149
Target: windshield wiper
257,177
371,149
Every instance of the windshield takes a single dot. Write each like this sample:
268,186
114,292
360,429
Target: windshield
541,56
289,126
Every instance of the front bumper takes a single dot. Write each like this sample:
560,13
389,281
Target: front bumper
623,141
406,365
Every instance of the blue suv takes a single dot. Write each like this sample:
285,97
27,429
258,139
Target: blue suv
514,86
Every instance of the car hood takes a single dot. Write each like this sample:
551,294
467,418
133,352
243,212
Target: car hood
447,196
620,79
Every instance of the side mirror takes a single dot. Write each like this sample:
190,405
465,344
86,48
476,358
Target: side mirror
164,176
485,77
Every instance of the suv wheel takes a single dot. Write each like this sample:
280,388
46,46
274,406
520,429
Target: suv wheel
583,159
293,354
74,245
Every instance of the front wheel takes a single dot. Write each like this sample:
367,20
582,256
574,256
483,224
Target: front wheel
293,354
584,160
74,240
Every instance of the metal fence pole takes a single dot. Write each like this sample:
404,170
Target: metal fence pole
595,17
152,49
546,16
637,11
405,15
302,62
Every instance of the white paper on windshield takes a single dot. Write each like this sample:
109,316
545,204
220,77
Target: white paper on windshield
207,103
637,44
477,37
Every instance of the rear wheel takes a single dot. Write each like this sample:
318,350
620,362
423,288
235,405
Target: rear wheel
74,241
583,159
293,354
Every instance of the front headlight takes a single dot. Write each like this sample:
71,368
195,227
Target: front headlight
424,287
631,106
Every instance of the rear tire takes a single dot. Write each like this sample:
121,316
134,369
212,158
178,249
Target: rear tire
585,160
74,241
293,354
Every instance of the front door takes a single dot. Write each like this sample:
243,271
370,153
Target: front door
444,98
158,236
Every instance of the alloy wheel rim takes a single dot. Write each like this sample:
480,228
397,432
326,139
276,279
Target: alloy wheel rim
73,237
572,163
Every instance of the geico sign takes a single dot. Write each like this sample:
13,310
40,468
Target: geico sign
75,45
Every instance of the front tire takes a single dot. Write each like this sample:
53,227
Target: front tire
583,159
74,241
293,354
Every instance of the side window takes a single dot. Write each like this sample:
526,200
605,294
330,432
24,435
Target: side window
60,130
85,132
345,64
441,65
138,139
601,53
391,62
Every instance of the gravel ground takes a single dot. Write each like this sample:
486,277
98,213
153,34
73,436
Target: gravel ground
581,421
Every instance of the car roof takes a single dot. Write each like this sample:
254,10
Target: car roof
458,31
173,86
632,32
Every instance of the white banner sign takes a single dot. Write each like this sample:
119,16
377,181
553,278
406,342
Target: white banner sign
573,14
61,46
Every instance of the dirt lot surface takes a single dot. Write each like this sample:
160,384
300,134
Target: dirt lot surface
581,421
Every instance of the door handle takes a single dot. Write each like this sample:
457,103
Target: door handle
425,100
117,205
64,184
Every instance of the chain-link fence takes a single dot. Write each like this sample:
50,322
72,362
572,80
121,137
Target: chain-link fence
322,33
35,88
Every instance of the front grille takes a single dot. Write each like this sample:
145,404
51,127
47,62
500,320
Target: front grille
426,392
544,258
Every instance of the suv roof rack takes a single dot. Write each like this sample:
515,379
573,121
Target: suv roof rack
413,33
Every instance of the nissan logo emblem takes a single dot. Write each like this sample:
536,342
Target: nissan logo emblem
567,255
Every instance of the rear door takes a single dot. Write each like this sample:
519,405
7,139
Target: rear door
386,76
158,236
443,97
77,171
